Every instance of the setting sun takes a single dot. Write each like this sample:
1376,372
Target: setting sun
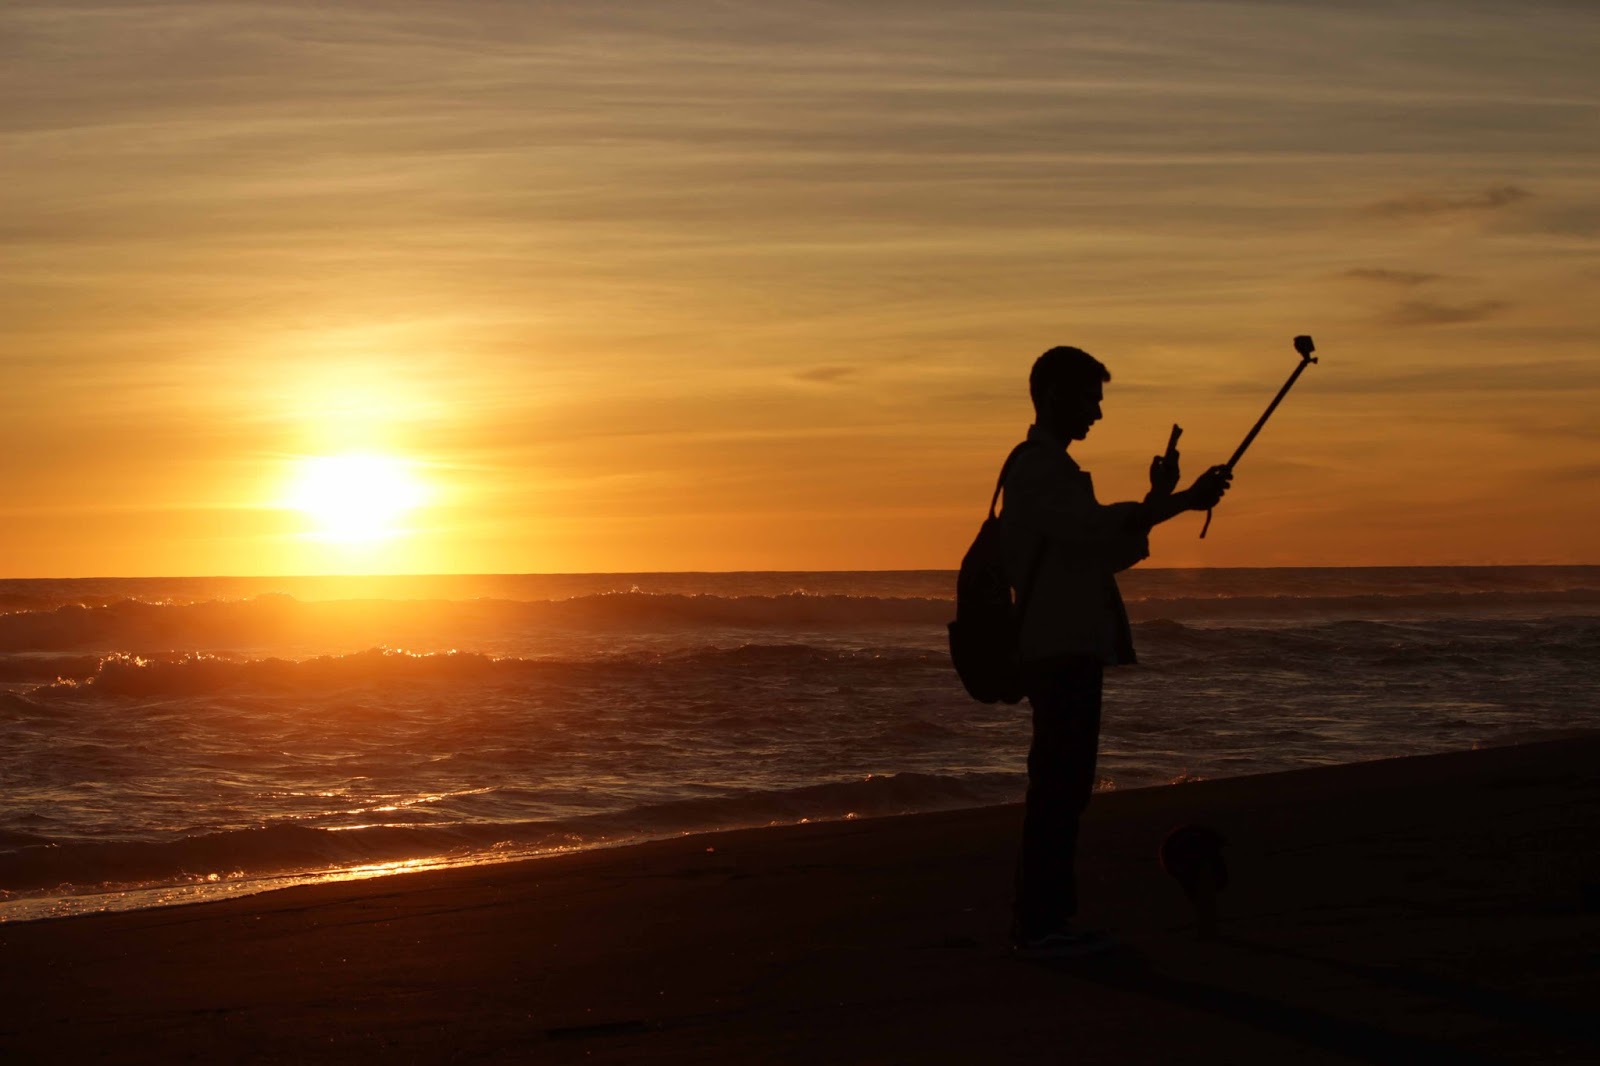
355,497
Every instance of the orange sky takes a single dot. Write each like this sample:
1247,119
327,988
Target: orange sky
747,286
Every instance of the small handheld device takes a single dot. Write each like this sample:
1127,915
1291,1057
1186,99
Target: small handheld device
1172,441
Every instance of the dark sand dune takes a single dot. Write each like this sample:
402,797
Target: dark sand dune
1437,909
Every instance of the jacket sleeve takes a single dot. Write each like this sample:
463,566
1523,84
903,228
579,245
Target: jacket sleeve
1081,532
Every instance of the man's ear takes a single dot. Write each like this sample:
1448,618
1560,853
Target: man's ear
1044,407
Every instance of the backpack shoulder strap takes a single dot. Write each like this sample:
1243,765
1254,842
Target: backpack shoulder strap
1005,467
1025,593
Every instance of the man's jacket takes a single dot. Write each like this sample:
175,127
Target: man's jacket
1075,607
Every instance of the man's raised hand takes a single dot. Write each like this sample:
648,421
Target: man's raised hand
1209,487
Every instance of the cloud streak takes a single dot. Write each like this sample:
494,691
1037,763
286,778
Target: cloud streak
1435,313
1429,205
827,375
1402,278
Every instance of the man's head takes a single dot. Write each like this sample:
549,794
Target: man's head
1066,385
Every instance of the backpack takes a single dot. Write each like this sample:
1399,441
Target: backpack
984,636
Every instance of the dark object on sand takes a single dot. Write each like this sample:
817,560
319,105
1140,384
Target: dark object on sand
1303,345
1192,854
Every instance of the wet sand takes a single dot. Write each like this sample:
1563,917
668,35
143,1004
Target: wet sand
1438,909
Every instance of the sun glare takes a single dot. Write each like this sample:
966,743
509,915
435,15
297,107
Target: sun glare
355,497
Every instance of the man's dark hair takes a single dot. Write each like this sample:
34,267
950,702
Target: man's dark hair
1063,369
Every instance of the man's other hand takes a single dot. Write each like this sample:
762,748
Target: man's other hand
1163,475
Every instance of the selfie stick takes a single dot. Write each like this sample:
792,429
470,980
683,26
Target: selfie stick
1302,345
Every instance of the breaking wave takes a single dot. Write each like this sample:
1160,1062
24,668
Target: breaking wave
200,674
32,862
274,620
1165,644
278,619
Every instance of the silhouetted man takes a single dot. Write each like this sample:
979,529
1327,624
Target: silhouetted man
1069,545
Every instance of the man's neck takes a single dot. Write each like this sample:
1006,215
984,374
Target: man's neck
1043,437
1042,434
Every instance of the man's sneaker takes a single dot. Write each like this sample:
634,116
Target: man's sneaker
1065,944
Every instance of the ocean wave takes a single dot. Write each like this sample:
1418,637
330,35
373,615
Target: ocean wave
280,620
31,863
1373,605
1165,643
1453,642
191,674
46,667
194,674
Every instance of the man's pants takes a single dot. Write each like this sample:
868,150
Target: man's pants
1066,739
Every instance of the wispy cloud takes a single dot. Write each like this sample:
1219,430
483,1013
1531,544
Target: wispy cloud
827,375
1402,278
1434,313
1587,474
1545,377
1426,205
1569,220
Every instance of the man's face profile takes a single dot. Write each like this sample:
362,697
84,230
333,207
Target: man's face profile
1073,411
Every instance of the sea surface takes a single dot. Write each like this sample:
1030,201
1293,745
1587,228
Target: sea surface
169,740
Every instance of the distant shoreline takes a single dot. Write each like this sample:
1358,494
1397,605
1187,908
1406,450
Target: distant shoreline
578,574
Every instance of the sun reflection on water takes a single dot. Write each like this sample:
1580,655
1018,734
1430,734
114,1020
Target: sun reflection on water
214,887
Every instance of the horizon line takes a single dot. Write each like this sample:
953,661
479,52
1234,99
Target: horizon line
734,573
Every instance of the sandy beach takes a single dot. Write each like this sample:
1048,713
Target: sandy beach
1440,908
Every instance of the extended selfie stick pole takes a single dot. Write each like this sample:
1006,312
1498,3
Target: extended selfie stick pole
1302,345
